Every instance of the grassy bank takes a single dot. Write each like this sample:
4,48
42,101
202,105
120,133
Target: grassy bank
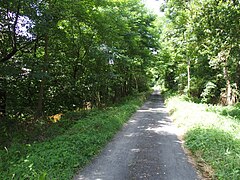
212,134
61,155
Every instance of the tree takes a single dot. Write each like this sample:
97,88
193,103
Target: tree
206,34
71,52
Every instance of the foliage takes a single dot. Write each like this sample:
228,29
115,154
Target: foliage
201,56
212,137
208,92
201,41
61,57
228,111
218,148
59,157
58,56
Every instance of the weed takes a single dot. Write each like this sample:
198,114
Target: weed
64,151
212,134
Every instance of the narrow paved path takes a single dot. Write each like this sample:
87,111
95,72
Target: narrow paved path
146,148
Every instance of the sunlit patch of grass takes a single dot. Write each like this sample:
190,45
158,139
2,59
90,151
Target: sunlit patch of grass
218,148
61,156
232,112
211,133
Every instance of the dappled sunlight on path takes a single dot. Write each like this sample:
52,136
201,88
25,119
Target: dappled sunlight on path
146,148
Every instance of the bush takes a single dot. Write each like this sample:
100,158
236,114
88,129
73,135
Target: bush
62,155
212,135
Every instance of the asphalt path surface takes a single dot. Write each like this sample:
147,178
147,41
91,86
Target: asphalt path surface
146,148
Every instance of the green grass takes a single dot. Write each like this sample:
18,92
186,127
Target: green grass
60,156
212,134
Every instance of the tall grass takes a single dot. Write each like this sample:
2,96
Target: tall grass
60,156
212,134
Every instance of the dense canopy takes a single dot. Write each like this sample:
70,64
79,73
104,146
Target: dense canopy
61,58
200,49
59,55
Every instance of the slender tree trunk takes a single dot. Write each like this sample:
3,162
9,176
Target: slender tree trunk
189,77
98,99
228,84
224,58
39,111
237,80
136,83
3,98
237,77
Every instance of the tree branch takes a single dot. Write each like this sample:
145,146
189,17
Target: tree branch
14,38
15,50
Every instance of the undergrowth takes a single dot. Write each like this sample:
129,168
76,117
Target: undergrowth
69,147
212,134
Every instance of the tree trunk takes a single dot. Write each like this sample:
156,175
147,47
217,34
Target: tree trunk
98,99
2,103
237,78
228,85
189,77
224,58
39,111
136,83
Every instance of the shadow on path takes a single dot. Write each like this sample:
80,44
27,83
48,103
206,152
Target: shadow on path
146,148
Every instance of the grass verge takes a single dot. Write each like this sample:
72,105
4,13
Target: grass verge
61,156
212,134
